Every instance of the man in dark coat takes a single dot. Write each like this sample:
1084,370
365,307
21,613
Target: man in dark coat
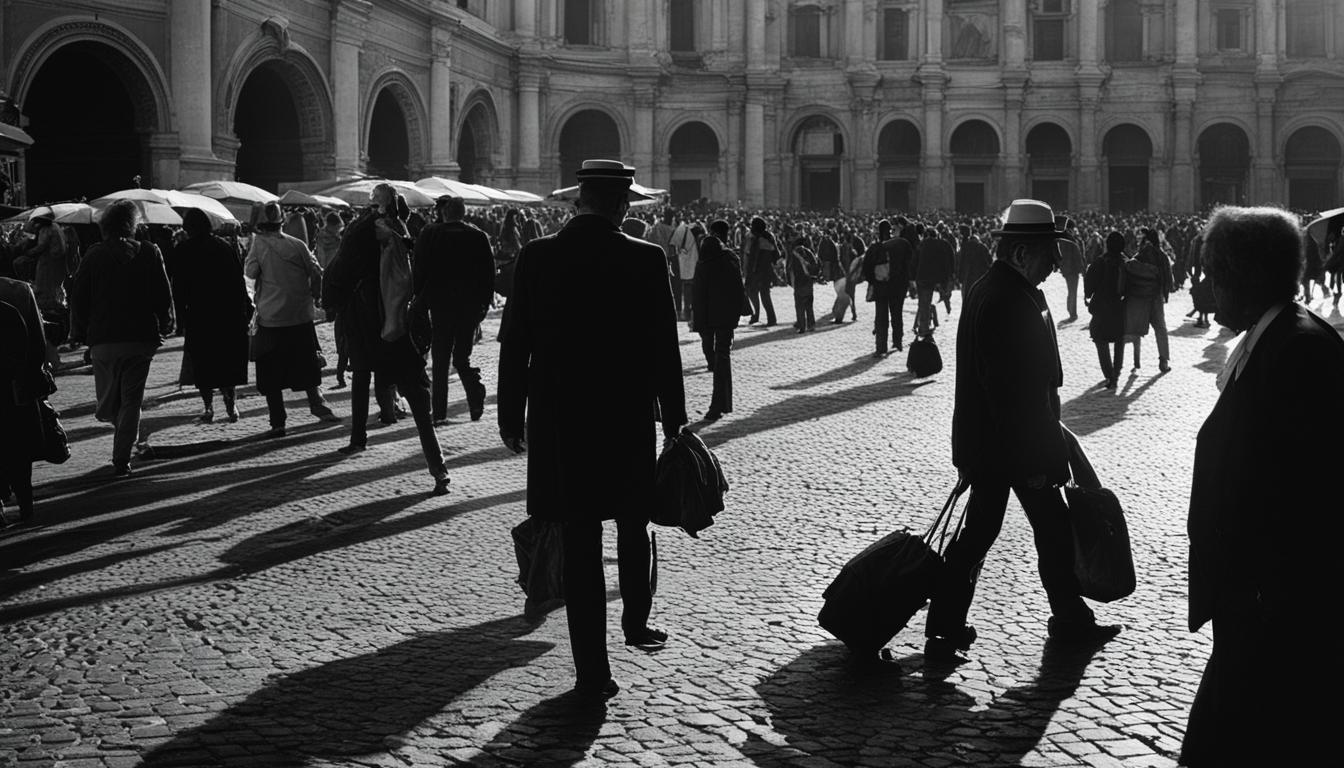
1264,522
972,260
1006,435
455,281
886,267
586,413
932,270
719,302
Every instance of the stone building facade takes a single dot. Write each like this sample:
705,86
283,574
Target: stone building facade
865,104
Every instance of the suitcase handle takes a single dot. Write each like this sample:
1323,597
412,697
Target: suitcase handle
940,523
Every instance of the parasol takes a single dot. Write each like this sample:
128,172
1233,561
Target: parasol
470,193
1320,226
357,192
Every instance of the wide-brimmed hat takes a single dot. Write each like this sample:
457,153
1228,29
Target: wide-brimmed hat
1030,218
609,170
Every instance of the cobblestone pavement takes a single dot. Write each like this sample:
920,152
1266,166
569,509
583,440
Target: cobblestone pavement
248,602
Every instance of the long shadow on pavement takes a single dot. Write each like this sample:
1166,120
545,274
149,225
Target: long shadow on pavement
556,732
288,543
859,365
833,712
799,408
349,709
1096,409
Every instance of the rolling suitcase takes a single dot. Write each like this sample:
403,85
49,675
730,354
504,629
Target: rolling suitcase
1102,559
881,588
924,358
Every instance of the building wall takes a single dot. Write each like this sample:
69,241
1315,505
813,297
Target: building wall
504,71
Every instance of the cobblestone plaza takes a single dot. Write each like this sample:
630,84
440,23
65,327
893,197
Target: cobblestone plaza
250,602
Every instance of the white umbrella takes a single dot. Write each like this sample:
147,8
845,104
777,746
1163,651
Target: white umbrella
1320,226
55,210
237,196
357,192
299,197
524,198
469,193
217,211
136,194
334,202
150,213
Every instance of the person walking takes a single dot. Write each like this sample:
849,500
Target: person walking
590,448
122,308
759,258
23,382
720,302
1070,265
686,250
1103,292
372,285
1006,435
454,280
215,311
1263,586
800,271
972,259
887,268
833,272
327,241
931,271
285,347
1147,286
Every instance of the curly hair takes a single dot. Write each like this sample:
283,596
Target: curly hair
1254,255
119,219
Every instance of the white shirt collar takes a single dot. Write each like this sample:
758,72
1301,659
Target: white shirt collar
1236,362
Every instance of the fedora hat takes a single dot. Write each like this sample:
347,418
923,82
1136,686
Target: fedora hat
607,170
1030,218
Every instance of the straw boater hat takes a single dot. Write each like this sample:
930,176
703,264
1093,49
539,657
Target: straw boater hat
1030,218
610,171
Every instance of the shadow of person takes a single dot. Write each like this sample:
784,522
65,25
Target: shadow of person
556,732
349,708
1095,410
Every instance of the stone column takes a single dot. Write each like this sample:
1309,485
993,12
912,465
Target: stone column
1088,195
641,149
529,125
753,166
525,18
442,158
755,34
728,161
1087,35
1187,33
1182,161
1015,33
1263,184
932,192
855,34
349,23
1012,140
1267,35
190,59
933,31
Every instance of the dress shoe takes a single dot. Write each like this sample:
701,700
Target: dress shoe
1164,367
121,471
324,413
595,691
351,449
206,416
439,421
646,639
945,649
440,486
1087,632
273,432
477,413
713,415
231,411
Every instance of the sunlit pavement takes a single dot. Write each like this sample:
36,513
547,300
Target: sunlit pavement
270,602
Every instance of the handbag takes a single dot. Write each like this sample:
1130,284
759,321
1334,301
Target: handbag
55,443
924,359
1102,559
540,550
878,591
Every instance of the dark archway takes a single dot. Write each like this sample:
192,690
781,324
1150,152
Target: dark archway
1224,165
1128,151
975,152
1049,162
819,146
266,123
590,134
694,159
94,139
899,148
389,145
1311,163
474,143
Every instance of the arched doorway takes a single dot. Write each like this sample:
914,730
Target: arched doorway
898,153
819,147
975,153
1049,163
266,123
389,146
694,162
474,144
588,135
1128,150
1224,164
1311,163
91,140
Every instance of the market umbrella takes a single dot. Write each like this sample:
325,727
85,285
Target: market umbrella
524,198
357,192
235,195
1320,227
469,193
56,210
150,213
217,211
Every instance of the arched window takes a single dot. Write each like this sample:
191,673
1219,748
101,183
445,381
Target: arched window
809,31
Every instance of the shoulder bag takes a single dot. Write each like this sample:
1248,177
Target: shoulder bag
1102,559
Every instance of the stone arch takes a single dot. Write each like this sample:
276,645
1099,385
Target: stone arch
1311,165
1049,153
136,66
803,116
974,146
819,159
271,47
403,92
694,157
899,151
478,138
972,139
1223,150
1128,149
894,139
565,166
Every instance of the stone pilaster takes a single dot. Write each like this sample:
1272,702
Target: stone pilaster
349,28
442,155
189,57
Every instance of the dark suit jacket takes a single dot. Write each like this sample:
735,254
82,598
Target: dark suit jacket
1263,504
455,270
588,344
896,252
933,261
717,288
1005,421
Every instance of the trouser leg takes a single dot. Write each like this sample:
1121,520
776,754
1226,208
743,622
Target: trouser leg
1158,319
754,298
415,388
207,397
385,393
359,407
1118,358
1072,301
841,300
585,600
134,371
676,294
896,313
1104,357
441,353
767,304
1049,518
707,347
469,375
799,311
275,408
722,399
687,297
632,560
880,323
809,310
964,558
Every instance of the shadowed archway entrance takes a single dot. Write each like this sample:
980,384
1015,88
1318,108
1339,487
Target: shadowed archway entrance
974,147
389,146
899,147
266,123
1311,162
694,162
1127,151
587,135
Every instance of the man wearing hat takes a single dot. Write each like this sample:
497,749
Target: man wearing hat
455,281
578,392
1006,434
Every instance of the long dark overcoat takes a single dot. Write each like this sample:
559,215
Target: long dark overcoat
350,287
1264,528
718,293
588,344
1103,290
1005,418
215,309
